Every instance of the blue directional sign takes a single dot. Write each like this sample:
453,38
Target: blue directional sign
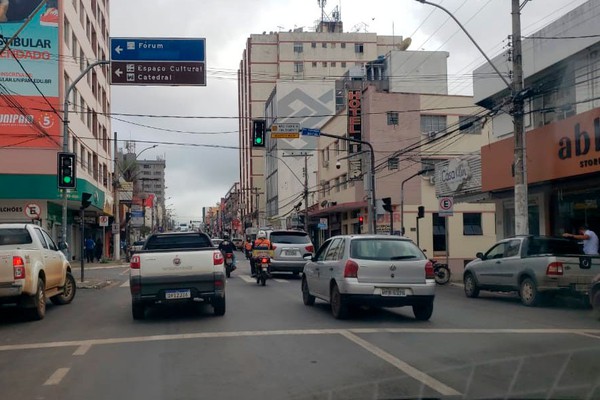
157,49
311,132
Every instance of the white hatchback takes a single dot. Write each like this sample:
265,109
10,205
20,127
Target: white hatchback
370,270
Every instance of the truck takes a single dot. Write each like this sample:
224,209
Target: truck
536,267
177,267
33,269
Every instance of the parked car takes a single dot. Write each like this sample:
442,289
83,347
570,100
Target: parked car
533,266
289,249
370,270
595,296
33,269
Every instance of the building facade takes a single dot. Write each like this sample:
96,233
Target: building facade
54,49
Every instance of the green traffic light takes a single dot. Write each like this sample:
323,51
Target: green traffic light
258,140
67,179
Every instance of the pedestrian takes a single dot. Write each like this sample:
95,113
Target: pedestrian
589,237
98,249
89,249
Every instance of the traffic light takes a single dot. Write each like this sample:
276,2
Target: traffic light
85,200
361,219
387,204
66,171
259,131
421,212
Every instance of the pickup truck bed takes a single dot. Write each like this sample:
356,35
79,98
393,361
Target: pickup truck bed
177,268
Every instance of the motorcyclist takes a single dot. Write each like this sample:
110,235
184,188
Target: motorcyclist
248,247
227,246
261,243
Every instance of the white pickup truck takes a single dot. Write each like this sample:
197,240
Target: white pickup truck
33,269
177,267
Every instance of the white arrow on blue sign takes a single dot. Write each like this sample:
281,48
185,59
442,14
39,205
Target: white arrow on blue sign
311,132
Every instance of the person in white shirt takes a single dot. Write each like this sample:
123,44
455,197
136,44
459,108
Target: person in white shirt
590,239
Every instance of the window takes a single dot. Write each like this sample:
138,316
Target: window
333,64
429,164
433,124
324,45
343,64
359,48
82,156
497,251
313,45
324,64
41,238
298,67
333,45
314,64
336,183
74,46
336,250
472,224
385,249
67,32
392,118
146,166
343,44
470,125
439,232
320,256
344,181
298,47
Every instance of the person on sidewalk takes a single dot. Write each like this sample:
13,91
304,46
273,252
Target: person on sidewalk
98,249
589,237
89,249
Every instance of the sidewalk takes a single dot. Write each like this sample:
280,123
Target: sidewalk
96,280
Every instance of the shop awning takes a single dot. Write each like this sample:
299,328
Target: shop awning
355,205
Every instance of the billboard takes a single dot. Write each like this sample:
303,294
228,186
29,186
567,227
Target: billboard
29,74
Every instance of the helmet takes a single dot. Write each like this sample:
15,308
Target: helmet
261,235
226,236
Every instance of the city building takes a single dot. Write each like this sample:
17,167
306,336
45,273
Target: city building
272,58
31,117
232,212
562,118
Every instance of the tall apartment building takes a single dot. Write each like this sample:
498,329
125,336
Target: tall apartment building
273,57
54,47
151,178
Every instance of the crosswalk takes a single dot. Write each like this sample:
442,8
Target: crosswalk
245,278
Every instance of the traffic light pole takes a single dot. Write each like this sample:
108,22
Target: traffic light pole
66,144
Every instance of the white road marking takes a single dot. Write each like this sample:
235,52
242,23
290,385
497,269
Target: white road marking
108,267
125,284
588,335
124,272
402,366
247,278
82,350
57,376
281,280
207,335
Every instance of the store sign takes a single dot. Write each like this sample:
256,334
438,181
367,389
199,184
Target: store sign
456,174
354,108
22,211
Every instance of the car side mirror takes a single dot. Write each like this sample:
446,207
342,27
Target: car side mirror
63,246
480,255
308,257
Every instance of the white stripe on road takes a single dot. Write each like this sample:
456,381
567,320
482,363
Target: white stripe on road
402,366
82,350
124,272
247,278
589,335
281,280
125,284
107,267
57,376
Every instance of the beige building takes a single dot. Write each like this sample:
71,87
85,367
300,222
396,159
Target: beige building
275,57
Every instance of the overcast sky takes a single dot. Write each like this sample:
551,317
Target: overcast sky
198,176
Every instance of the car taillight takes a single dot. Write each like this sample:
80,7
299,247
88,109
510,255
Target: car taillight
218,283
18,268
310,249
555,268
264,260
351,269
429,274
217,258
135,262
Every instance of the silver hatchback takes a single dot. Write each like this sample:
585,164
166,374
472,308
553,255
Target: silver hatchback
370,270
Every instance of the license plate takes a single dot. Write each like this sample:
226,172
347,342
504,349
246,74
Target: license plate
393,292
178,294
290,252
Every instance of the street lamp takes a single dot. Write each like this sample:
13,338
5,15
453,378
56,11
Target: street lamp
421,172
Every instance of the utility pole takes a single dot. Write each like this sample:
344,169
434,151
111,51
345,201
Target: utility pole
306,155
257,207
116,236
521,195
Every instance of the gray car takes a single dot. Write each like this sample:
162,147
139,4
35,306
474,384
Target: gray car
371,270
289,249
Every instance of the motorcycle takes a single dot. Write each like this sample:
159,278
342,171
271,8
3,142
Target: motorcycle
263,271
441,272
229,267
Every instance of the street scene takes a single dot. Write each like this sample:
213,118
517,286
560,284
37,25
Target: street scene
283,200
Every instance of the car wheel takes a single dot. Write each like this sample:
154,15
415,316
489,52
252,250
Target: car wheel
596,304
339,306
529,293
138,310
38,311
423,311
68,291
307,298
219,306
471,289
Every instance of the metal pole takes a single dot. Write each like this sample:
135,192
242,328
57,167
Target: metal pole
306,192
66,138
418,231
402,229
392,222
521,195
82,240
447,228
116,236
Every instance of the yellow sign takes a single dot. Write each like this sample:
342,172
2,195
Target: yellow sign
285,131
284,135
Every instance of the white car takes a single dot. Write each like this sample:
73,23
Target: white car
370,270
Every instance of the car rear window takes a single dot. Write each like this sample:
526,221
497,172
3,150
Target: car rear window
554,246
385,250
289,238
13,236
174,242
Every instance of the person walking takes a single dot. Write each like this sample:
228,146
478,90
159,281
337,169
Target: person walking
98,249
89,249
589,237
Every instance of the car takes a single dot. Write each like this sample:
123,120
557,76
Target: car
370,270
595,296
289,249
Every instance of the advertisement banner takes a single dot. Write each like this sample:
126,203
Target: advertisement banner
29,74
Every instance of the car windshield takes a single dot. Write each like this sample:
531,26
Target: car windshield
289,238
385,250
14,236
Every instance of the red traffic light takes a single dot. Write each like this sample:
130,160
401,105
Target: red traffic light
360,219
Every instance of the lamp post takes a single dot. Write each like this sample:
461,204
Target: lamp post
421,172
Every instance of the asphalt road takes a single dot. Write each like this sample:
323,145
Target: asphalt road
270,346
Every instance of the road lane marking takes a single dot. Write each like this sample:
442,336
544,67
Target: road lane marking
82,350
246,278
108,267
124,272
234,334
125,284
281,280
57,376
588,335
402,366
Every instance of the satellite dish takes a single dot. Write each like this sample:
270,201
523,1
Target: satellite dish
404,44
323,203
